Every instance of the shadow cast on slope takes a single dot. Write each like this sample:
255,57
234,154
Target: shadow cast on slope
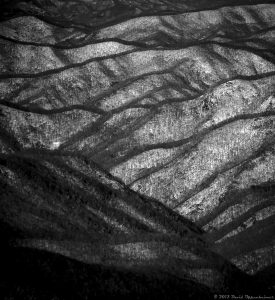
35,274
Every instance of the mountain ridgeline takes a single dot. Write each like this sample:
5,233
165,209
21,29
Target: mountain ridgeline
137,154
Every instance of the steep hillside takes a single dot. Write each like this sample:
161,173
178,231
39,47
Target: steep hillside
140,135
69,206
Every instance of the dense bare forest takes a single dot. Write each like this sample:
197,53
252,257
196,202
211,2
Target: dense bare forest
137,149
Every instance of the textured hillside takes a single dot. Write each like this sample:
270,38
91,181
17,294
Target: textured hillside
71,207
140,135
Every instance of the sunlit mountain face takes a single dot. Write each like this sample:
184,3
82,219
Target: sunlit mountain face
137,149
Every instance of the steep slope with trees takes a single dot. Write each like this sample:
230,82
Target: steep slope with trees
138,135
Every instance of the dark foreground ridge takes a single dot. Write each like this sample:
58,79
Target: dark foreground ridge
36,274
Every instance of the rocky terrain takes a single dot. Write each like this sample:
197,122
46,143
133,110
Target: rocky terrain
137,148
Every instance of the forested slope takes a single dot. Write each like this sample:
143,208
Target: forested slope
139,135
